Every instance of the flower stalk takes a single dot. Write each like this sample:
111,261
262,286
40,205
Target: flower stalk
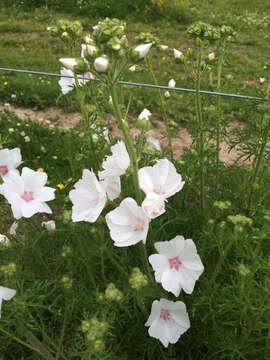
85,118
200,140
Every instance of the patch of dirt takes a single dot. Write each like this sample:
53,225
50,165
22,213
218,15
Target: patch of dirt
61,119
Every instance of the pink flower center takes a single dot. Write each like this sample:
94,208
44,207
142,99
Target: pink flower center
3,170
164,314
138,225
95,200
27,196
158,190
175,263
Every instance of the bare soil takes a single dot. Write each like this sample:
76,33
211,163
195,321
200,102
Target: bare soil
61,119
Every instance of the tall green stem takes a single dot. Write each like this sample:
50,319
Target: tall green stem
220,62
163,108
129,144
258,162
200,140
134,162
85,118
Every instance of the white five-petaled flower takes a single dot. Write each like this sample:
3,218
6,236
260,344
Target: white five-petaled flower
161,179
69,63
172,83
9,161
88,198
27,193
145,114
68,83
112,186
5,294
153,205
177,54
168,321
142,50
128,223
177,266
117,163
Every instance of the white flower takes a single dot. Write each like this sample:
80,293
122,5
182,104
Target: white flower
177,54
153,205
154,143
177,266
143,50
132,68
161,179
128,223
145,114
27,193
164,47
9,161
4,239
117,163
211,56
167,94
172,83
112,186
11,130
101,64
66,83
262,80
49,225
168,321
22,133
68,63
13,228
5,294
27,139
88,198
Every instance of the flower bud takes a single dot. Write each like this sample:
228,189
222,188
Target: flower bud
177,54
171,83
153,205
154,143
101,64
91,49
211,56
142,50
49,225
167,94
164,47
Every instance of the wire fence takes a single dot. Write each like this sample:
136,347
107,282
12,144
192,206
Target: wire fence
137,84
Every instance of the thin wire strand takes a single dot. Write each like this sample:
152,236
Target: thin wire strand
137,84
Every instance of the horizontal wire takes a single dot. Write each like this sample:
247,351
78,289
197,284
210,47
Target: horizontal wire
137,84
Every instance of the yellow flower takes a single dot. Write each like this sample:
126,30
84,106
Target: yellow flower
5,83
40,169
61,186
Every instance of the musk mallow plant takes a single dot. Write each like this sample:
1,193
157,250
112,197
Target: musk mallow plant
107,55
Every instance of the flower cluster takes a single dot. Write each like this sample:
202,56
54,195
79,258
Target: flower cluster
66,30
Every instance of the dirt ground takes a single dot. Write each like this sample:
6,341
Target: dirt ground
72,119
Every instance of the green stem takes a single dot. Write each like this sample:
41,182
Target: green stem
129,144
221,260
163,108
220,62
20,341
85,118
258,163
200,141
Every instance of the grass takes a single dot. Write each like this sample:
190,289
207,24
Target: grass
62,309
